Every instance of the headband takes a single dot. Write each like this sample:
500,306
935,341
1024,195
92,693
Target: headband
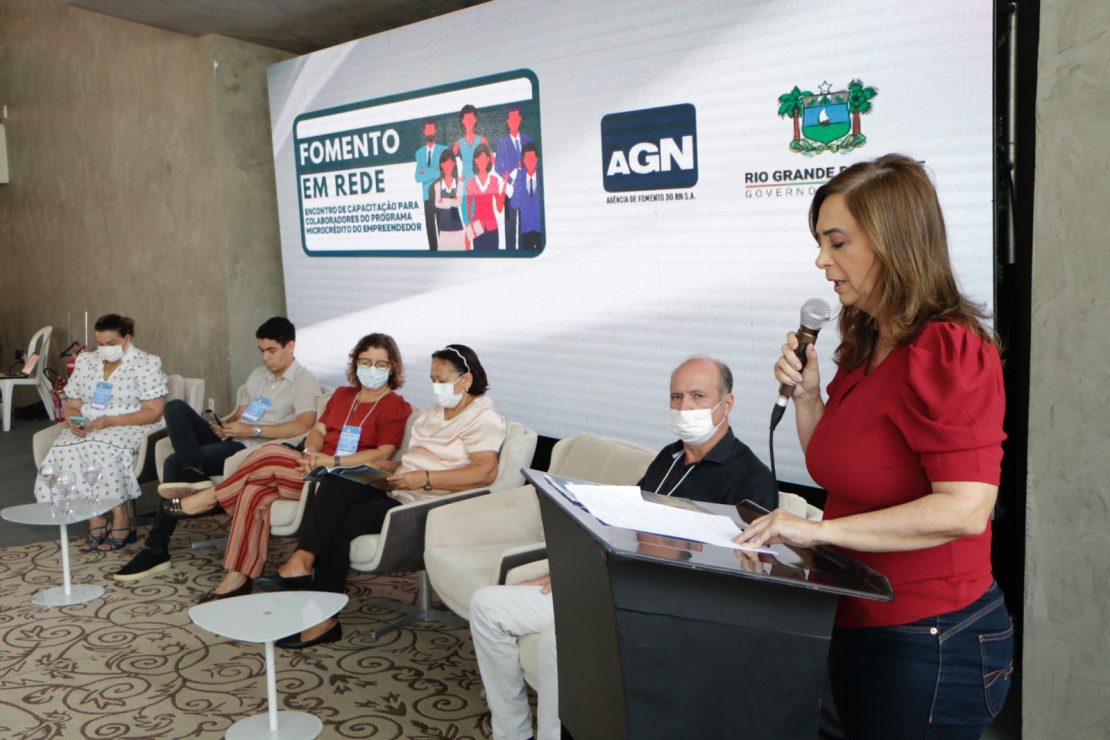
460,354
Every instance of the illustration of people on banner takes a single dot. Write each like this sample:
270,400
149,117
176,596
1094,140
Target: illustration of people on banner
472,198
425,173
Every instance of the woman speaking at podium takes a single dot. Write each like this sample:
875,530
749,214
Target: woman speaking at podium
908,445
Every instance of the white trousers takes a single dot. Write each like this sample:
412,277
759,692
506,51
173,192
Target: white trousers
498,616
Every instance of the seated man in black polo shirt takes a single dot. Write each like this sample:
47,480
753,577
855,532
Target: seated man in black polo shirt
708,464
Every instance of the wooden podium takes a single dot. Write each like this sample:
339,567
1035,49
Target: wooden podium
666,638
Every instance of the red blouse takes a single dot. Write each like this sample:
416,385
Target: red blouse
931,411
385,425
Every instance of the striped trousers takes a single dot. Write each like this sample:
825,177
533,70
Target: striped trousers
269,473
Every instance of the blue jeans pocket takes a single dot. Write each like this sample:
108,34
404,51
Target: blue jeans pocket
996,649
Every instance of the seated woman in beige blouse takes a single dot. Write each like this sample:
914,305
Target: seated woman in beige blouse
453,447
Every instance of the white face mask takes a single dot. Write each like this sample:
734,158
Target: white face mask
445,394
372,377
694,426
110,353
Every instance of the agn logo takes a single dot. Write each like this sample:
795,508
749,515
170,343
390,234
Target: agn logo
651,149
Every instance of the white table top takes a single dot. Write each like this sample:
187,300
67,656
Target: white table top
266,617
45,514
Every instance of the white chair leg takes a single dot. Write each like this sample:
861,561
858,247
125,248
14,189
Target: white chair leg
422,611
209,544
6,404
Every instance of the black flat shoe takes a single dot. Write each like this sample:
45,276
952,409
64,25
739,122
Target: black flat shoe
213,596
278,582
172,507
294,642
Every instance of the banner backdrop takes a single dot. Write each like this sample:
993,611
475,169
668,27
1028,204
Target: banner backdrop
657,189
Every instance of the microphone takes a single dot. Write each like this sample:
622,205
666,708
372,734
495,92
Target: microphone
815,314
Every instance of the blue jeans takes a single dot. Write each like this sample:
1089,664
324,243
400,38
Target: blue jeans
940,677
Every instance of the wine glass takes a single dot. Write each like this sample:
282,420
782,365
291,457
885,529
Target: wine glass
90,473
64,486
48,474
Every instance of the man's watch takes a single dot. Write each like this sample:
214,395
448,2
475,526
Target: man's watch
256,432
427,480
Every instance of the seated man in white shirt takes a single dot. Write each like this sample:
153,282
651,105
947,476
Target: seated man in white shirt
277,401
715,467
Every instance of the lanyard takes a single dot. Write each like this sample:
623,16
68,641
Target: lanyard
277,383
354,402
676,485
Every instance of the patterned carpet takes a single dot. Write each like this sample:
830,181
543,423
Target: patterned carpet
132,665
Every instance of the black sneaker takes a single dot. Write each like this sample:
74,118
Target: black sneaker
147,562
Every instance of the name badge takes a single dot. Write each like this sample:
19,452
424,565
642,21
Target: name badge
101,395
257,409
348,440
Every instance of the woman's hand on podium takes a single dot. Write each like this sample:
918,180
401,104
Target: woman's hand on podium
780,526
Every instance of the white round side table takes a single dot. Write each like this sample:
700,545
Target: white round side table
266,617
46,515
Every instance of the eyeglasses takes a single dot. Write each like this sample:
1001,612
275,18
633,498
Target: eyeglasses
380,364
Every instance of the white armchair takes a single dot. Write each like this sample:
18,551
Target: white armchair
476,543
189,390
798,506
399,547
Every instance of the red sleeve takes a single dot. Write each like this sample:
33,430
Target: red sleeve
953,405
390,426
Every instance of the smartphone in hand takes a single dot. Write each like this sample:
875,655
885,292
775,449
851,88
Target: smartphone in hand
79,420
215,418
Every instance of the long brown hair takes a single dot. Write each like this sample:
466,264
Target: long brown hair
895,204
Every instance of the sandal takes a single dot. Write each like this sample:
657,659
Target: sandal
172,507
110,542
97,534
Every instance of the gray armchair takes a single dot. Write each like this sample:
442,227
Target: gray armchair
399,547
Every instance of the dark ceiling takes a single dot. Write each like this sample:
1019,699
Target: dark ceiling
297,26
